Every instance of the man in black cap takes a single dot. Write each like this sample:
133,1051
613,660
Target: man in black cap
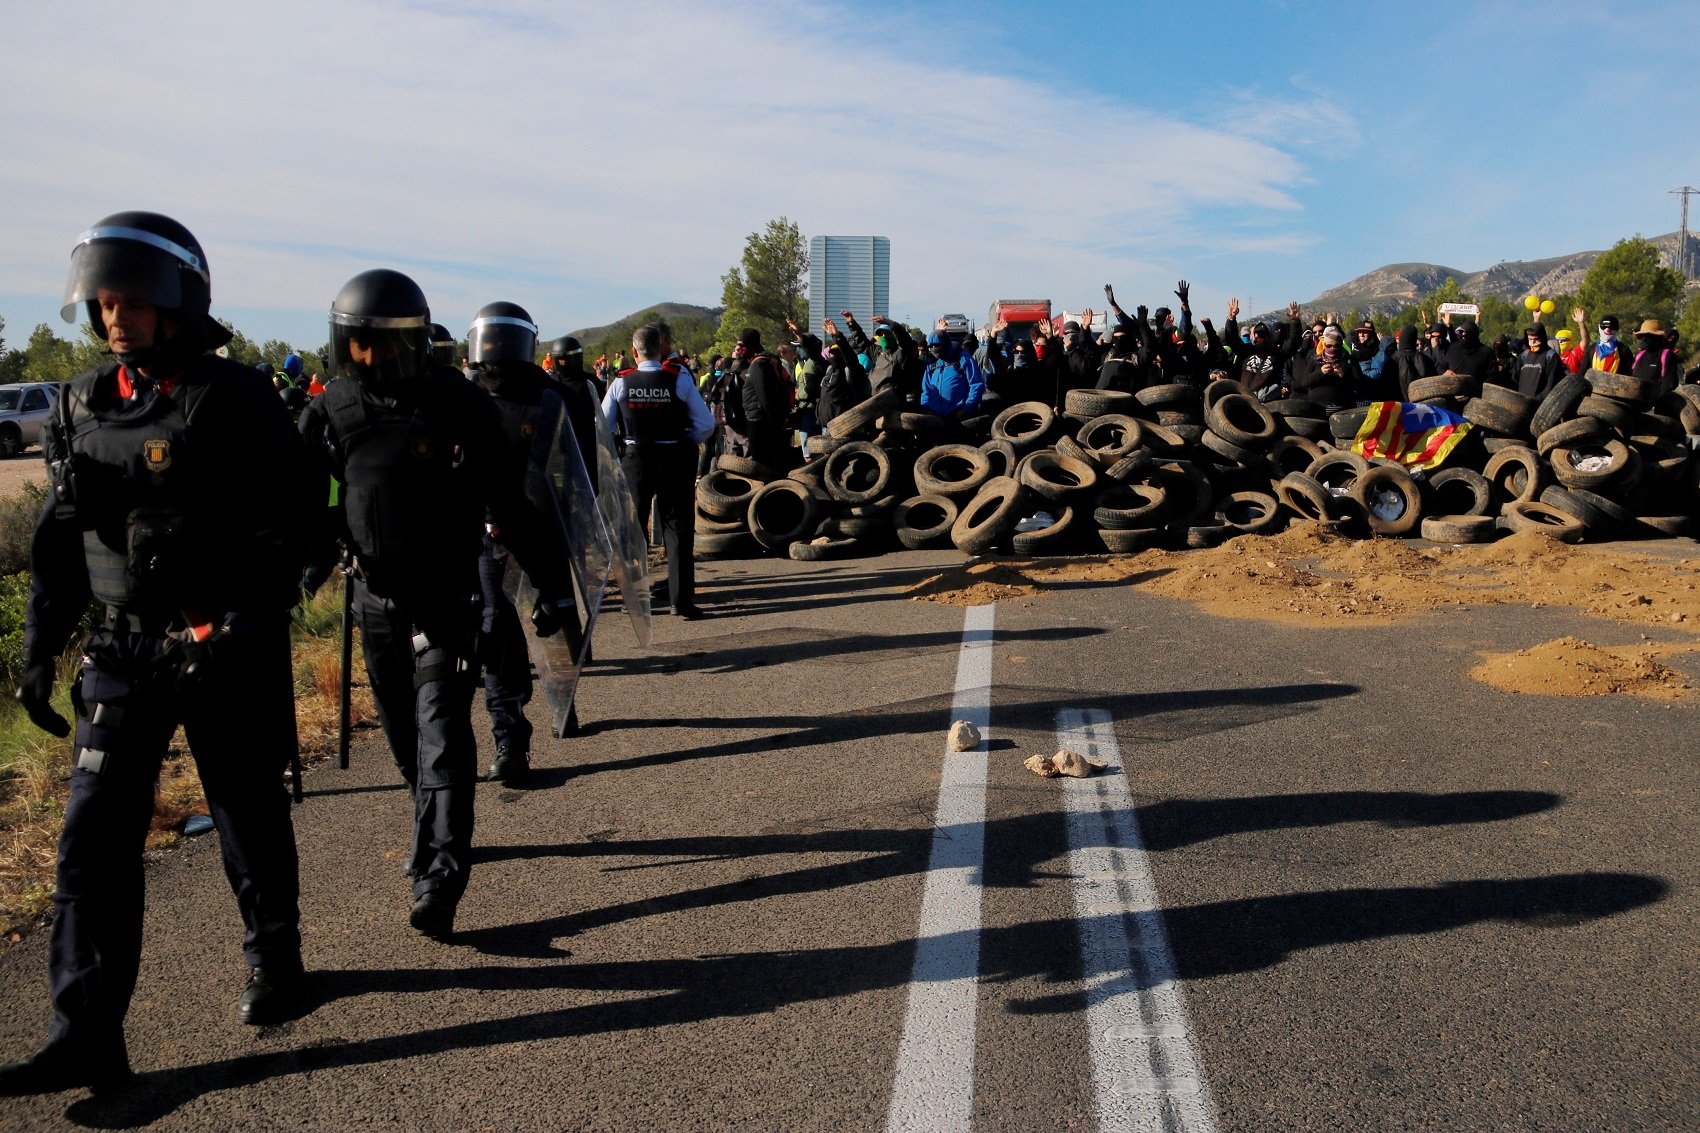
180,501
1608,354
765,401
1538,368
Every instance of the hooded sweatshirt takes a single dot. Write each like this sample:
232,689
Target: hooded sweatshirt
951,383
1468,354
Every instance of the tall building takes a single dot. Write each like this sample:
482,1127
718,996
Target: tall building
848,273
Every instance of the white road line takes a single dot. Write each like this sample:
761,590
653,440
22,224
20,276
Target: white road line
934,1090
1146,1073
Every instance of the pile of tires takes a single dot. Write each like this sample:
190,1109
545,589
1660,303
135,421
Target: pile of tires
1601,456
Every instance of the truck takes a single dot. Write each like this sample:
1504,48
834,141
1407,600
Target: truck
1018,317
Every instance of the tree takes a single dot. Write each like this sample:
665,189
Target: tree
1689,325
767,286
1628,282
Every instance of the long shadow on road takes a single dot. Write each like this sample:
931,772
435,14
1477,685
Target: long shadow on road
1212,939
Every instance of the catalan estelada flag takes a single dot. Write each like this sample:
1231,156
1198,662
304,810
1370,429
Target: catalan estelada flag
1417,436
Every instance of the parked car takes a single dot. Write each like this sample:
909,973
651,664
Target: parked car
24,410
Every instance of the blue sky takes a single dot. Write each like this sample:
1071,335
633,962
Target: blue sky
586,160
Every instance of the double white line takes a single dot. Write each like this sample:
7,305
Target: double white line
1146,1072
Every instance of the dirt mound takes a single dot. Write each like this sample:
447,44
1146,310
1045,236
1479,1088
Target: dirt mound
1573,667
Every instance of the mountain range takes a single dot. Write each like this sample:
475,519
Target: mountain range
1394,287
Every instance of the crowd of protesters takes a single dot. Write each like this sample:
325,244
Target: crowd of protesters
766,404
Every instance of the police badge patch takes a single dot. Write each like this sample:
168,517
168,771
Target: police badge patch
156,455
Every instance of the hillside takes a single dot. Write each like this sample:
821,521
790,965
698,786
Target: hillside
1396,286
669,312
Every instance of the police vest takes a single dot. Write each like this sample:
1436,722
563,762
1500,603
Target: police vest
411,515
126,475
650,409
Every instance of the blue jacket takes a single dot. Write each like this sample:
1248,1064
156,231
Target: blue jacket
952,384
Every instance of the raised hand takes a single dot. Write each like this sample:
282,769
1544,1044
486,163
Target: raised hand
1233,308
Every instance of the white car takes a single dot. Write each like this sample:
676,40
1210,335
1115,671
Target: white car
24,410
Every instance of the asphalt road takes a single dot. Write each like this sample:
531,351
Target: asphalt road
1352,890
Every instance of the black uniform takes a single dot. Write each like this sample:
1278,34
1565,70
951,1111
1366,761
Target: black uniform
174,507
422,462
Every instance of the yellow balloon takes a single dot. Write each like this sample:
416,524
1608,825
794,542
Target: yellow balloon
1547,307
1531,303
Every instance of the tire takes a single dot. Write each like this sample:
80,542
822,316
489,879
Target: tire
1345,424
976,427
1111,436
1442,385
1090,403
1179,418
860,527
988,516
1190,435
1126,506
1304,497
1134,466
1460,529
1297,407
725,495
821,445
1603,518
1509,398
1311,428
744,466
1292,454
1665,462
1054,476
1573,431
1132,541
1495,418
924,521
1074,450
1220,388
1337,469
1025,425
1460,492
1001,456
1046,540
858,473
1173,396
812,473
1391,500
1617,455
956,471
728,545
1212,533
782,512
1163,440
1620,415
821,550
1522,515
1658,425
920,424
1252,513
1229,451
1559,403
1668,526
1191,498
1517,474
864,415
1241,420
711,525
881,508
11,441
1624,387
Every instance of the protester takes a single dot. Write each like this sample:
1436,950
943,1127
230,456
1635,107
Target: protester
1654,360
951,385
1538,367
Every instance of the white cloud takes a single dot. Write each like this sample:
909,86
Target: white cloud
573,156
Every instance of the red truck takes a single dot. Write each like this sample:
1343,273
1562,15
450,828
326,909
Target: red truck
1018,316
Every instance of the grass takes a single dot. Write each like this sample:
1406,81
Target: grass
35,768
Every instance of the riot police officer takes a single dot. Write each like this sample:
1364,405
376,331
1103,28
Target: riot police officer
180,491
445,351
420,454
500,348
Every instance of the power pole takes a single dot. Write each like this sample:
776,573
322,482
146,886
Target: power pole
1682,239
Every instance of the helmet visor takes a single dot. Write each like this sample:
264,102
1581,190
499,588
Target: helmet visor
379,351
501,338
138,263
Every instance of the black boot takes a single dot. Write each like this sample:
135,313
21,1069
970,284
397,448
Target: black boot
512,766
65,1064
274,995
434,916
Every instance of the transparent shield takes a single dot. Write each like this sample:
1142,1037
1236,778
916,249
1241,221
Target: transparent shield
631,546
558,485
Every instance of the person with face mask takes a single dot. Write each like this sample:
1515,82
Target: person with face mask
180,504
951,385
1538,367
1654,360
1257,360
1468,354
843,380
892,360
1608,353
426,470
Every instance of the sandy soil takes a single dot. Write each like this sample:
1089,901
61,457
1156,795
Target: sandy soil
18,469
1308,577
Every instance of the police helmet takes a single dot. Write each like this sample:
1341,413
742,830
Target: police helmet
501,332
444,348
565,349
383,314
147,256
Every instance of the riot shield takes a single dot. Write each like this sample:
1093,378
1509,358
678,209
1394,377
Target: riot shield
625,531
558,486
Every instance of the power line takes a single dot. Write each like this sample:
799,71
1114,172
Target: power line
1682,240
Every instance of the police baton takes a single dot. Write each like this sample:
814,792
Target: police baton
345,683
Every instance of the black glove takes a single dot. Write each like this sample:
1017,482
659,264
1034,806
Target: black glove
1141,313
35,693
201,659
550,616
1110,294
1181,291
315,576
